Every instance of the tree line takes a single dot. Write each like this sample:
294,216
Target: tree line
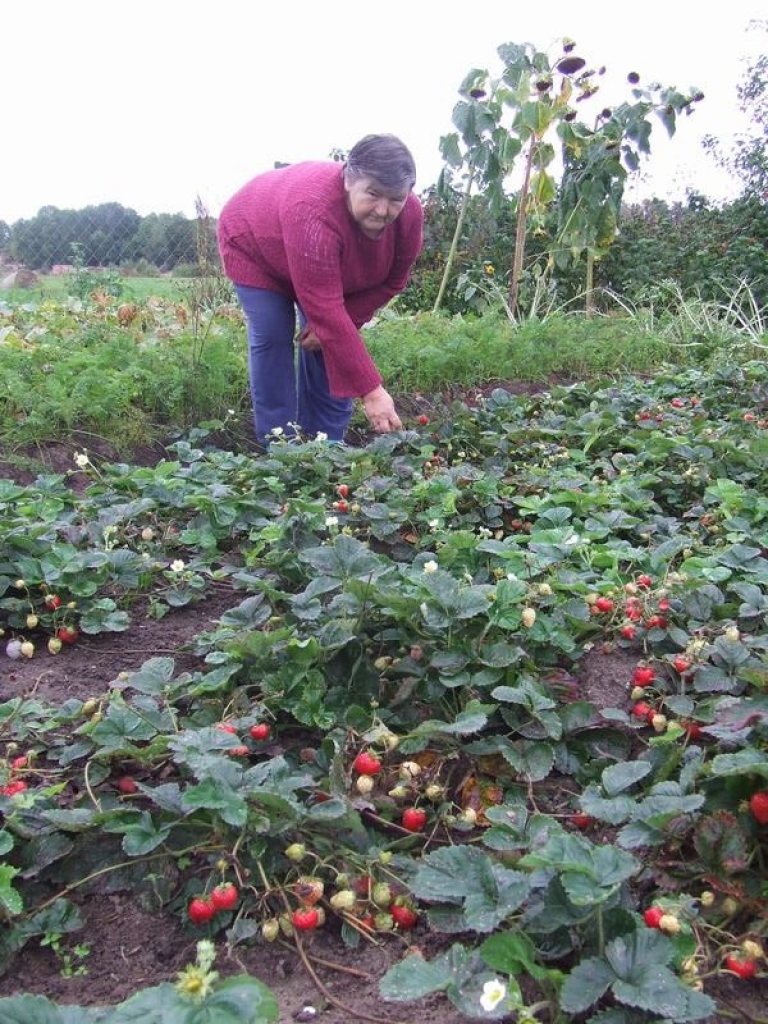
108,235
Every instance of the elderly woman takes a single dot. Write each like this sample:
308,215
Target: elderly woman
338,241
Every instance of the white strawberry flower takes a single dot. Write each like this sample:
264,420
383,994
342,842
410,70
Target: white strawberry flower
493,993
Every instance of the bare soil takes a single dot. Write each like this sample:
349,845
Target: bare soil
132,948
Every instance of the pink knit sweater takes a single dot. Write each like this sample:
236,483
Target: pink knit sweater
290,231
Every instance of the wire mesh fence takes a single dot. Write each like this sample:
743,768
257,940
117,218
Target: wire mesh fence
109,236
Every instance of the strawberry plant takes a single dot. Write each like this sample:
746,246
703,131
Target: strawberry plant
393,722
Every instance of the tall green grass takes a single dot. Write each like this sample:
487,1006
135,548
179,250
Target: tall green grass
64,374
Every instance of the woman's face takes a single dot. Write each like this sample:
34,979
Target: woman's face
373,206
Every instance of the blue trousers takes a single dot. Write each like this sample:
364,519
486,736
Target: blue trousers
287,391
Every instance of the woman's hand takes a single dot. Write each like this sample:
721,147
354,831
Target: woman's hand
309,341
380,410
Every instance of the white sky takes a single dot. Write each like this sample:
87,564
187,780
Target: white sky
153,103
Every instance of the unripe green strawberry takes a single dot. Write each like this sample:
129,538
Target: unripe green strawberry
364,784
752,950
669,924
32,621
54,645
13,649
309,889
344,899
296,852
381,894
27,648
384,922
399,792
528,617
270,929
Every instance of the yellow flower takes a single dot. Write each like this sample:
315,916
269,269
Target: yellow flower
195,983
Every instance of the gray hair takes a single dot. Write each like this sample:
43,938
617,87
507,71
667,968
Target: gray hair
385,158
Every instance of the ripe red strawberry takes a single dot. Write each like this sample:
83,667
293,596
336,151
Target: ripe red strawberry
744,968
634,609
260,732
239,751
12,788
582,821
414,819
758,805
200,910
643,675
305,919
604,604
681,664
341,506
405,917
628,631
343,491
67,634
127,785
52,601
362,885
226,727
652,916
642,710
656,622
644,581
423,420
366,763
225,897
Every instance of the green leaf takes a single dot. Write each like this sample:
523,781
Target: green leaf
619,777
743,762
27,1009
143,836
414,978
346,557
658,990
10,900
588,981
251,613
463,875
216,795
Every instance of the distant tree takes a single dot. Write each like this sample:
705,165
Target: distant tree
165,240
104,234
746,156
